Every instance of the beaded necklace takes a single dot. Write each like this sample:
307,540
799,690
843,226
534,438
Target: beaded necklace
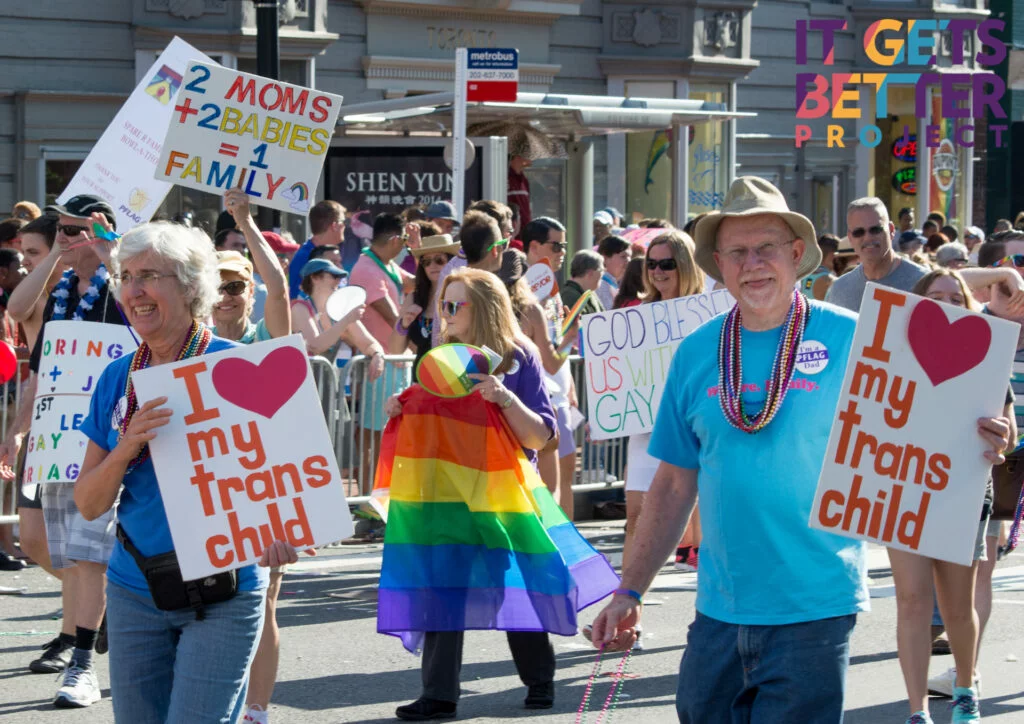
195,344
730,367
62,292
612,700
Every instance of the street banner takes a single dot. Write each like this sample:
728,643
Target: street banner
120,167
236,472
74,354
627,352
905,464
235,130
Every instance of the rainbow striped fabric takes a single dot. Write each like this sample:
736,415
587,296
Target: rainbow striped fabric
474,539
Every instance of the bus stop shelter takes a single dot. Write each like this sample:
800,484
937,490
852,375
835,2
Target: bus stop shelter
572,119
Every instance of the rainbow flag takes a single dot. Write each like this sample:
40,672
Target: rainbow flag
474,540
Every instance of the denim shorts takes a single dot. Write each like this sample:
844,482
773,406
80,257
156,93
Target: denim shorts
165,666
735,674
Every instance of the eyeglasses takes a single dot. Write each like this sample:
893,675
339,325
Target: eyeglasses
144,279
234,289
72,230
450,309
1016,259
433,261
768,251
497,245
860,231
663,264
556,246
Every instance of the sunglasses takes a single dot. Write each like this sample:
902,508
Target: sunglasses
450,309
433,261
497,245
860,231
72,230
557,246
663,264
1016,259
233,289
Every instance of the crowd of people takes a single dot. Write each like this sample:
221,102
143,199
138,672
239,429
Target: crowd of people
433,276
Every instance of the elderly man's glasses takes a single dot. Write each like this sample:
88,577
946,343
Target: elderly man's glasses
873,230
768,251
72,230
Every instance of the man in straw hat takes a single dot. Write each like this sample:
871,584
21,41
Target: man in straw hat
748,424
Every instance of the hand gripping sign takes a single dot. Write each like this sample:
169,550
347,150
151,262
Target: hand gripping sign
905,464
236,130
246,458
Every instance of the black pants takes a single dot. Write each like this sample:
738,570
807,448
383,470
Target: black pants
532,653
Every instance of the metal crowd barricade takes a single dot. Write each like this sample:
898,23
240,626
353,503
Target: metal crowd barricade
353,408
9,404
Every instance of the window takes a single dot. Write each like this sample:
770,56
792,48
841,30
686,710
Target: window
708,163
649,160
58,174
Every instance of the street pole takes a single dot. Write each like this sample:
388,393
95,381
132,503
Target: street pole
268,65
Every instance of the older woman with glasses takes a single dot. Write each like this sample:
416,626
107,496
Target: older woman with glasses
167,664
416,319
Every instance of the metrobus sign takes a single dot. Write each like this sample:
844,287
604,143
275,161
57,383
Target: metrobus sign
492,74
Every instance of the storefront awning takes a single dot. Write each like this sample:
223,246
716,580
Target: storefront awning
559,116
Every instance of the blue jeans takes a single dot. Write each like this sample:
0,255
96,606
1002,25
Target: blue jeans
165,666
734,674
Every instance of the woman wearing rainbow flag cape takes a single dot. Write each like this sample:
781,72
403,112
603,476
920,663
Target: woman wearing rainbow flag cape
474,539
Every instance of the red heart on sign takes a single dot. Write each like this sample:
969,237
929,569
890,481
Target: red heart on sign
262,388
946,350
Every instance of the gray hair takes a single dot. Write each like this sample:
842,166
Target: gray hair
190,250
585,260
870,203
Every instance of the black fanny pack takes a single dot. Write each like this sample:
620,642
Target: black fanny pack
169,591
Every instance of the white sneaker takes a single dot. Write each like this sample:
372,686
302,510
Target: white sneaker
80,688
256,714
638,645
596,475
942,685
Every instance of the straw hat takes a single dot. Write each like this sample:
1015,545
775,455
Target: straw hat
440,243
748,196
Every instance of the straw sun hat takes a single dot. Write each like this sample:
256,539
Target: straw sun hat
748,196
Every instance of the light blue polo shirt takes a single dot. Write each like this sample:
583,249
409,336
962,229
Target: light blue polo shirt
760,562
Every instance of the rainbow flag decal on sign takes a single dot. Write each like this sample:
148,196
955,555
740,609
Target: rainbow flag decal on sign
444,371
474,539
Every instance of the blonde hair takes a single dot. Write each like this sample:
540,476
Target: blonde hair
691,278
924,284
493,323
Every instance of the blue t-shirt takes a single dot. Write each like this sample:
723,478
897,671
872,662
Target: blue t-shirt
760,562
141,509
298,261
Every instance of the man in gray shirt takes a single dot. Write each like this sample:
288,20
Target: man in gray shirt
871,233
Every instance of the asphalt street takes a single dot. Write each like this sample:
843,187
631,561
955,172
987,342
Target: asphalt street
336,668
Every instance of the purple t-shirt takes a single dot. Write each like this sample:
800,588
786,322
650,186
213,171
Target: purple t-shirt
526,381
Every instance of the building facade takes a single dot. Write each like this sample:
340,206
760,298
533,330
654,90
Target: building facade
69,65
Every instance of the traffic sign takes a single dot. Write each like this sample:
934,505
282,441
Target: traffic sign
492,74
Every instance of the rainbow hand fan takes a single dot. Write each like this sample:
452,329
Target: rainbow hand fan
444,371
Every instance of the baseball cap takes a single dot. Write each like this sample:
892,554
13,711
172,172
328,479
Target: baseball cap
613,212
316,266
232,261
604,217
83,206
974,231
442,210
279,244
910,238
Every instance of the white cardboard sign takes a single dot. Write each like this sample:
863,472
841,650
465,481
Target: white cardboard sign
74,354
235,130
627,353
905,464
246,458
119,168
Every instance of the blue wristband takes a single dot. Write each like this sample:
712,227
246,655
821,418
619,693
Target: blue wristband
629,592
